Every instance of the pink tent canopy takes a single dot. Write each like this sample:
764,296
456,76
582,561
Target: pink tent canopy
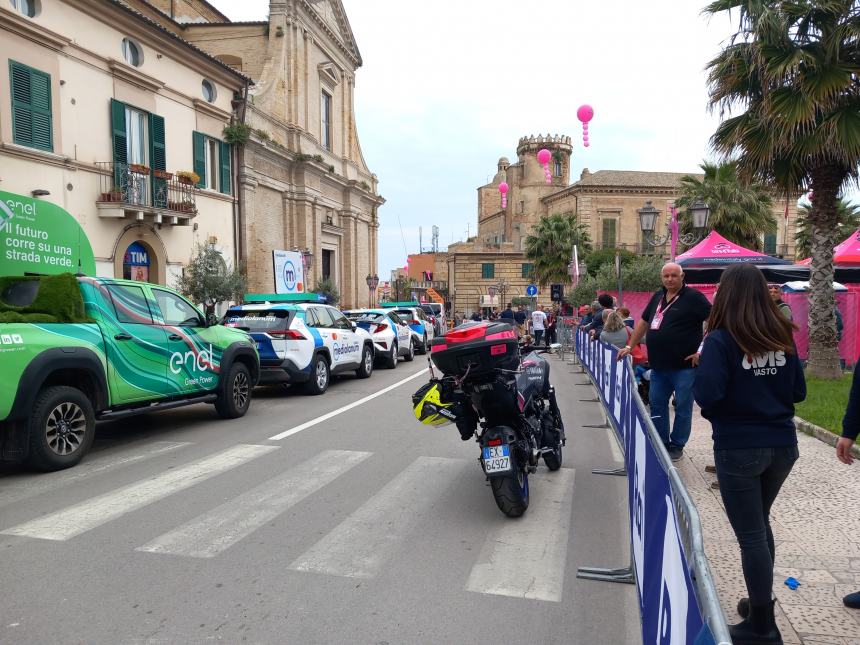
845,254
717,250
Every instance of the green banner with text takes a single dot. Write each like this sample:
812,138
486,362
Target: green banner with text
39,237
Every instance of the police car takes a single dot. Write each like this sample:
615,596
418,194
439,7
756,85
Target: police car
302,340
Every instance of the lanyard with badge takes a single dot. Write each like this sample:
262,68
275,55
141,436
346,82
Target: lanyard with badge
657,320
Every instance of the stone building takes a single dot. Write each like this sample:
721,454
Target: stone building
303,181
101,104
491,267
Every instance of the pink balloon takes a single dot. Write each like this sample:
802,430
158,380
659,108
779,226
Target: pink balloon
543,156
503,187
585,113
585,139
585,127
585,144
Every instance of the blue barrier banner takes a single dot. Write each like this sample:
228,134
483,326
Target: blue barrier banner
667,601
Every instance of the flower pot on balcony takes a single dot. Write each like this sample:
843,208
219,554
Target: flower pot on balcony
138,169
162,174
187,177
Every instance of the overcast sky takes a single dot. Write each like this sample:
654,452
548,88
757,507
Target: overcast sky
448,87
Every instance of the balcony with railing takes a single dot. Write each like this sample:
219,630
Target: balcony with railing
132,191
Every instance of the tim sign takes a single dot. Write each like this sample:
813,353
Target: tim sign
289,272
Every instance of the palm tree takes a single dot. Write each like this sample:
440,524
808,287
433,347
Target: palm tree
849,220
550,244
791,69
740,212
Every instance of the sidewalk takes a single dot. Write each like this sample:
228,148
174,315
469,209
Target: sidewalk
816,526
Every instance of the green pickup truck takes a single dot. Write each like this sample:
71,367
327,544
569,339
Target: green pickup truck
77,349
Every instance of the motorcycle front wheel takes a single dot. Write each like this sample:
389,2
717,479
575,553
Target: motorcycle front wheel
512,493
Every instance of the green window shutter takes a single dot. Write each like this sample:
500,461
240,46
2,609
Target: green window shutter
157,159
527,270
31,107
488,271
120,139
200,157
770,243
226,169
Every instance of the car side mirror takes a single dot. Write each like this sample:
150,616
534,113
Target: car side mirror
354,325
211,320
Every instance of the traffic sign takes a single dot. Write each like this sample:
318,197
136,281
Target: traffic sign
531,290
491,291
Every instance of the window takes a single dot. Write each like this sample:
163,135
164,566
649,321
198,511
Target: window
26,7
130,304
488,271
175,311
770,243
132,52
528,270
138,139
339,321
212,163
323,317
325,115
557,169
522,207
326,264
209,92
609,240
31,107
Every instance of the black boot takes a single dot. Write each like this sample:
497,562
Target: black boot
744,607
759,628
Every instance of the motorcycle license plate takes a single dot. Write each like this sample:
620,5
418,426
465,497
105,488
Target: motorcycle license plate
497,459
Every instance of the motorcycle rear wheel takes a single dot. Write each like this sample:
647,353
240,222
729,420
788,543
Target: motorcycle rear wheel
512,493
553,459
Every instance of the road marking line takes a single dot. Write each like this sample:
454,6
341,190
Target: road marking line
526,558
31,486
359,546
326,417
209,534
87,515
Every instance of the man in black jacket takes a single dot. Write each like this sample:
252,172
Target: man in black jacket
673,321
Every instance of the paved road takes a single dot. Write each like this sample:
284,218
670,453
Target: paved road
364,528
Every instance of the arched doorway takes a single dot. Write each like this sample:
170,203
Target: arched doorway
136,262
139,254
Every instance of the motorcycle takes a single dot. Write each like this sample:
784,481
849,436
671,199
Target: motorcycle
500,394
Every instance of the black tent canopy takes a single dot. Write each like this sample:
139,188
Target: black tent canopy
772,273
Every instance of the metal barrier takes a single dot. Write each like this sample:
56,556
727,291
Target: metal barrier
689,525
565,330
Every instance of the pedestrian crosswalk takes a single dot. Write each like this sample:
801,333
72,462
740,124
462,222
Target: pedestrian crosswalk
520,558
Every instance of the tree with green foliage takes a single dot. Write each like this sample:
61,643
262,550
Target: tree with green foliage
788,77
550,245
209,280
848,216
740,212
595,260
328,289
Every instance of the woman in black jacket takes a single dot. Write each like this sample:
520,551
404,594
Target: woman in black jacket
747,383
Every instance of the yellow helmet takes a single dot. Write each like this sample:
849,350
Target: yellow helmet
429,408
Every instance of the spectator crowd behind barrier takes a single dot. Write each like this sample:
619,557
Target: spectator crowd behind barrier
677,597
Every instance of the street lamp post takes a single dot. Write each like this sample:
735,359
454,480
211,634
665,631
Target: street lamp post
372,281
648,222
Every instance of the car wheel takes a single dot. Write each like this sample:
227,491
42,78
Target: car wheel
366,368
391,359
62,428
408,358
235,397
423,348
320,376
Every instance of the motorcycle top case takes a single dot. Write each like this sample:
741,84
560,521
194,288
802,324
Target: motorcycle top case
479,347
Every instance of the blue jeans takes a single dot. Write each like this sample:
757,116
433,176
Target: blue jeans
750,479
663,383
